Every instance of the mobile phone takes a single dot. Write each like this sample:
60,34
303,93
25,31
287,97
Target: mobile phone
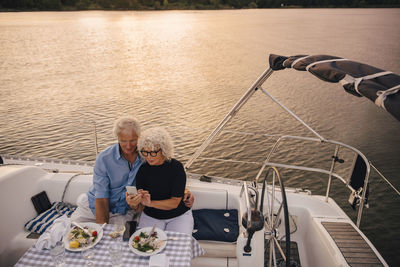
130,228
131,190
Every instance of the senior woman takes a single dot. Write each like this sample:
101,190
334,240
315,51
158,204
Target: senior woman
161,182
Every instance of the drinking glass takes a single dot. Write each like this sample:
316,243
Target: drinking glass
88,254
58,254
115,250
119,227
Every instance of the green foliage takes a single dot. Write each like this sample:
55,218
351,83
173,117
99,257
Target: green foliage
186,4
68,2
157,5
83,4
214,3
49,4
123,4
148,3
252,5
17,3
105,3
268,3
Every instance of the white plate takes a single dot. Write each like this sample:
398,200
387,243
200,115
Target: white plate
94,226
160,235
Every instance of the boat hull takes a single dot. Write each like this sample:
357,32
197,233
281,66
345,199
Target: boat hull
308,213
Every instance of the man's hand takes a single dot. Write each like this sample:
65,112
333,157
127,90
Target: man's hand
188,198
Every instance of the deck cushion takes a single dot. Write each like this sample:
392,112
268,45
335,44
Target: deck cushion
41,222
216,249
216,224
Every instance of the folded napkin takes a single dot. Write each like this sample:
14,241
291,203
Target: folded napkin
49,238
159,260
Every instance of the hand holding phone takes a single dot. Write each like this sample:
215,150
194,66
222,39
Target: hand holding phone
131,190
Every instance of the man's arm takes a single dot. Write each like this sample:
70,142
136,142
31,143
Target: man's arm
102,210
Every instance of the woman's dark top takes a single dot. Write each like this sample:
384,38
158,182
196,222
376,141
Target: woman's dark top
163,182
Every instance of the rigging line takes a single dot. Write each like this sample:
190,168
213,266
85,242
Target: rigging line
322,139
384,178
231,160
223,131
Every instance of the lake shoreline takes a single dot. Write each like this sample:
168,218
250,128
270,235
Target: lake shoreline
65,72
192,7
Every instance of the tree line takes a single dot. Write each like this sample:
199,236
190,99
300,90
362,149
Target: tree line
184,4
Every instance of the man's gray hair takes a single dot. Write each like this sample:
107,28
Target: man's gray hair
155,138
125,124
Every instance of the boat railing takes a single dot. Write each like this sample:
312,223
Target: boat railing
355,192
257,86
358,194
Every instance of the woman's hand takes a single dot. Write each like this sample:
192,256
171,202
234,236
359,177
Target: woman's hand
166,204
133,200
146,198
188,198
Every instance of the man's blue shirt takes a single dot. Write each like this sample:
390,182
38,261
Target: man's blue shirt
112,172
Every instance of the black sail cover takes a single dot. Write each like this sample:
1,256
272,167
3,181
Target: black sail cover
380,86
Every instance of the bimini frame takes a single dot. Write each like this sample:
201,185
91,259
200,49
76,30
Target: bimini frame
257,85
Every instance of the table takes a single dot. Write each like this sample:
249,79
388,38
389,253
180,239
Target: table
180,252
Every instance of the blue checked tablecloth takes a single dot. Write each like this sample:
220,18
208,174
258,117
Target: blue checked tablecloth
180,252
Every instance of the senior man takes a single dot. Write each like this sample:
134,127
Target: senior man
114,169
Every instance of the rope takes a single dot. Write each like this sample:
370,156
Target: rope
385,179
295,61
324,61
357,81
382,95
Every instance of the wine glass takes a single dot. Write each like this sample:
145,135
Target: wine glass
57,253
119,227
88,254
115,250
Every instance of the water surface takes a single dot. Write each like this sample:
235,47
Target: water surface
60,72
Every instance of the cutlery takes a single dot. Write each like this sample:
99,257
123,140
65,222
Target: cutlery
152,230
169,238
85,230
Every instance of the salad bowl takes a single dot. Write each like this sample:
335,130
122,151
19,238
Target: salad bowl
78,235
142,244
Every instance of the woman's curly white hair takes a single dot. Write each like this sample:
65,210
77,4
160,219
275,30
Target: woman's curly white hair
156,138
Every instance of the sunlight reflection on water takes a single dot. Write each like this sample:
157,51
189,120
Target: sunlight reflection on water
184,70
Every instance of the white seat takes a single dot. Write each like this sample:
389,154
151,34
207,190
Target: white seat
216,249
215,199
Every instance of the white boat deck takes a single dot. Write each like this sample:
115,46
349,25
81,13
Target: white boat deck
309,215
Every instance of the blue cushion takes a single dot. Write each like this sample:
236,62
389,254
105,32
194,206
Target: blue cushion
216,225
44,220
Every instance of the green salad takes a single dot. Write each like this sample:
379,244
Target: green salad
145,243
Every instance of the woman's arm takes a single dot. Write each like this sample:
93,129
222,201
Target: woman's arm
165,204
